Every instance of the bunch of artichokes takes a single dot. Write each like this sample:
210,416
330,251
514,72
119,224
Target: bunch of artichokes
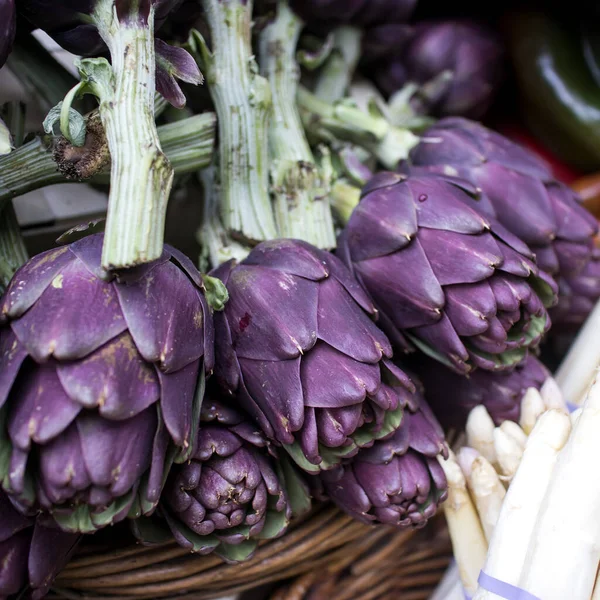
325,370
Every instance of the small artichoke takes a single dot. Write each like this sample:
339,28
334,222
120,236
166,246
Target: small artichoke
8,25
459,63
398,481
453,282
98,379
452,396
297,347
234,490
518,189
31,554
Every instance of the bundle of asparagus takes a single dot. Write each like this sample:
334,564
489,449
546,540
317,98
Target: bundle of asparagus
511,492
480,480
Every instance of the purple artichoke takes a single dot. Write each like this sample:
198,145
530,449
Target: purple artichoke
70,25
461,61
297,347
453,282
398,481
31,555
8,25
362,13
452,396
97,382
233,492
518,189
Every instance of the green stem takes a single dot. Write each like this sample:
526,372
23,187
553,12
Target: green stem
344,199
299,187
345,121
335,77
217,245
243,100
141,175
188,144
12,248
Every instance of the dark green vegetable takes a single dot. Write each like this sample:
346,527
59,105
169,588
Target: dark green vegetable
560,97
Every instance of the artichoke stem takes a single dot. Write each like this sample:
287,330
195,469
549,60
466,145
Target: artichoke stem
300,189
347,122
243,100
12,248
344,198
141,175
336,76
189,145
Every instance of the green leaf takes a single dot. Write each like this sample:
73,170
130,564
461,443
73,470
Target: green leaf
275,524
296,453
76,125
429,351
296,490
216,292
543,290
237,553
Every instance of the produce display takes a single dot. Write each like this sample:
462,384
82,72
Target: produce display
372,302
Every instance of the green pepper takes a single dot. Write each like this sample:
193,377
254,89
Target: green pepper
560,98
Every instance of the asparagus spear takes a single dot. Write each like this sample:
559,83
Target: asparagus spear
480,433
532,406
509,453
563,556
515,432
468,540
509,543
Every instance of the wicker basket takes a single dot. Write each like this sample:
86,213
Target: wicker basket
324,545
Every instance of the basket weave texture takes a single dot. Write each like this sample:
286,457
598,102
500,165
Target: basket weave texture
326,548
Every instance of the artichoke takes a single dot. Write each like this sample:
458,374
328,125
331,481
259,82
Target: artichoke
71,24
233,492
362,13
518,189
452,396
8,25
297,347
446,278
459,61
398,481
98,380
31,554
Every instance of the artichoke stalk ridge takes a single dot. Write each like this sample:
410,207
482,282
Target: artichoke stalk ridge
453,396
516,188
101,382
457,64
298,349
234,491
8,26
398,481
31,554
444,277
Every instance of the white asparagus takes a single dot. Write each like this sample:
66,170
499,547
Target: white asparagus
552,395
465,457
480,433
532,406
577,370
508,453
468,540
575,417
450,587
487,492
510,540
515,432
564,553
